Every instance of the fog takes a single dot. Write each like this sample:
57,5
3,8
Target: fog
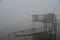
13,13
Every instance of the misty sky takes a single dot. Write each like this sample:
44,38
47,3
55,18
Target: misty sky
13,13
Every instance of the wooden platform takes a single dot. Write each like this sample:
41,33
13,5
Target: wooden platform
43,36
